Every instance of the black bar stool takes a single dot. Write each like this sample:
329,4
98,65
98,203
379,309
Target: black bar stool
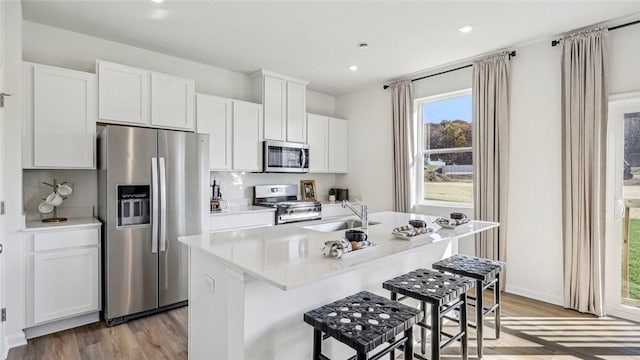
486,273
444,293
363,322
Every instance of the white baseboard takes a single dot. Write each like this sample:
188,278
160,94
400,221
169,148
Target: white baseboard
61,325
15,340
536,295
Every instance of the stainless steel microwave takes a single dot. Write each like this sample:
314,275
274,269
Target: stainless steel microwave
285,157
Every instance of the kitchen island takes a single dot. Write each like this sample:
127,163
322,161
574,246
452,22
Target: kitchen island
248,289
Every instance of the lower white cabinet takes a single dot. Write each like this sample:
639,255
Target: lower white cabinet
328,144
63,274
242,220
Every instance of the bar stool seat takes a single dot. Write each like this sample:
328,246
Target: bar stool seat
486,273
444,293
363,322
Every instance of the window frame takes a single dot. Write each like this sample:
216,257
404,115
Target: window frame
419,165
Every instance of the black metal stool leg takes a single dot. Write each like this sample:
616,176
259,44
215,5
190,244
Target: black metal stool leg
423,331
496,298
464,342
435,332
392,354
362,356
479,316
408,344
317,344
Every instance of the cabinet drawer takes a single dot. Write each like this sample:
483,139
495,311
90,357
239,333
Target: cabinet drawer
65,239
236,221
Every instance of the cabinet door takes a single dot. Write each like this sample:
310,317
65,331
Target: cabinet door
274,99
296,111
213,117
247,143
123,94
338,146
318,139
64,120
66,283
172,102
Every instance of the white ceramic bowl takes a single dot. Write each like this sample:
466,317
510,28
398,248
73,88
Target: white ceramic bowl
64,189
45,207
54,199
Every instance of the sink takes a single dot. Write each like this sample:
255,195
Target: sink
338,225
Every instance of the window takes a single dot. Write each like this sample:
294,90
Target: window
447,172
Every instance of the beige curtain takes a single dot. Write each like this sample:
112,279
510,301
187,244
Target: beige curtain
404,145
490,151
584,132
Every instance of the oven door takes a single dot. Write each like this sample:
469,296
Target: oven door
286,157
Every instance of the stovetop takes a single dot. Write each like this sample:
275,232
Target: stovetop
289,203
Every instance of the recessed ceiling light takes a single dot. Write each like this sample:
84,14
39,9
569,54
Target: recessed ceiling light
465,29
353,68
157,1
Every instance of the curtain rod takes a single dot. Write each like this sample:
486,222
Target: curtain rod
557,42
385,87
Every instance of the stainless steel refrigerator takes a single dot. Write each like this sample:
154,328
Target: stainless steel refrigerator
153,186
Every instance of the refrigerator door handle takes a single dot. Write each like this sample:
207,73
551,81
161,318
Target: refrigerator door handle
154,205
163,206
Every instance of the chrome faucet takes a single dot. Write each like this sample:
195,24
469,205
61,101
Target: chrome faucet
363,214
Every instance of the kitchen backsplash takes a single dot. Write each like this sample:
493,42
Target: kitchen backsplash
80,203
237,187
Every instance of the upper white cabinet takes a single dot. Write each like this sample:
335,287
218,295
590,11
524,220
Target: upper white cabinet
172,101
59,118
318,139
123,93
328,145
296,112
235,132
247,136
284,102
214,117
338,145
128,95
274,101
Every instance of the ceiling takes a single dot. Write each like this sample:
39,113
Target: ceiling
318,40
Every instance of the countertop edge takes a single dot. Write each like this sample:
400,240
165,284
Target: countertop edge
73,223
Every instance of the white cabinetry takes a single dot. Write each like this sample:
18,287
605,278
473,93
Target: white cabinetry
235,132
241,220
128,95
338,145
284,101
318,138
63,276
247,136
59,118
172,102
214,117
328,145
123,94
296,112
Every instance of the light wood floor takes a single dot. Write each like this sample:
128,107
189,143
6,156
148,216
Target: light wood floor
530,330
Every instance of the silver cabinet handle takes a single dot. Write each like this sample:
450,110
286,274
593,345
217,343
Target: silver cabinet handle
1,248
154,205
163,206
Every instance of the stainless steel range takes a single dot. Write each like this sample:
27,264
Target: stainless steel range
285,199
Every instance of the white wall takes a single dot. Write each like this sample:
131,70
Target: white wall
535,202
370,176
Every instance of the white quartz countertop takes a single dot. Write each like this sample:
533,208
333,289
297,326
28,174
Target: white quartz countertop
72,223
289,256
